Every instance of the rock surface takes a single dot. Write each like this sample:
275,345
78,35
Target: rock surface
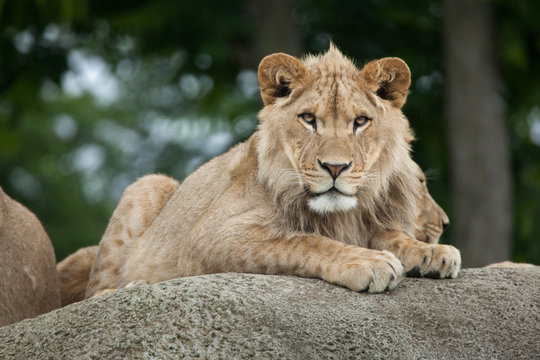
483,314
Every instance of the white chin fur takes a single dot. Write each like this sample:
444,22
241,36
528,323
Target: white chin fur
328,203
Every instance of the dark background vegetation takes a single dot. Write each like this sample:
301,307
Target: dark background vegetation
94,94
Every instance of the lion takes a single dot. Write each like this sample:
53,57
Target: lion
510,264
324,188
431,220
28,279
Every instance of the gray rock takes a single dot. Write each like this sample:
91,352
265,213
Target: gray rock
483,314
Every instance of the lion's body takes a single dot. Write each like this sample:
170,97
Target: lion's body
325,188
28,279
74,271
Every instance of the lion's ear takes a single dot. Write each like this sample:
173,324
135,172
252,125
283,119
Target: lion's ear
278,75
389,78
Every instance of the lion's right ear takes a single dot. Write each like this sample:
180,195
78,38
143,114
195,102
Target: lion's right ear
279,74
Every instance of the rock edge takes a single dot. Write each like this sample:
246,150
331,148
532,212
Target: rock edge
483,314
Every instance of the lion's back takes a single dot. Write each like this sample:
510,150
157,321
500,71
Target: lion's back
28,279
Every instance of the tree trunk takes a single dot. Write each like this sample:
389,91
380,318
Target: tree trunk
481,176
275,30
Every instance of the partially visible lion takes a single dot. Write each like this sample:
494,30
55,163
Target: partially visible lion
28,279
324,188
432,220
510,264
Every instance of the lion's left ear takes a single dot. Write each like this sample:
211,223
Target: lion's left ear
278,75
389,78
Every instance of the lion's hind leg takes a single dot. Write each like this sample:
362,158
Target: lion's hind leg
73,274
140,204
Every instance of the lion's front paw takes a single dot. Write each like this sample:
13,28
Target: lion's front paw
373,271
433,261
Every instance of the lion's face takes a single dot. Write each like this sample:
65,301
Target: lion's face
336,135
340,128
431,220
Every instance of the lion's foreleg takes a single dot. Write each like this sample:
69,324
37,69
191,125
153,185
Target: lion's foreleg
356,268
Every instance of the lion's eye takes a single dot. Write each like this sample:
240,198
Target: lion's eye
360,121
309,119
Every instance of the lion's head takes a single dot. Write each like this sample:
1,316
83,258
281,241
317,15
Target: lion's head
431,220
334,136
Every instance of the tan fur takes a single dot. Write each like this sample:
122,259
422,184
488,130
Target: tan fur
271,205
73,274
28,279
510,264
432,220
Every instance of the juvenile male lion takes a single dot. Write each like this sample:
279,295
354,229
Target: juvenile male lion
74,270
324,188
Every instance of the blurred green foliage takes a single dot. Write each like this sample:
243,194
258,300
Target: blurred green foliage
94,94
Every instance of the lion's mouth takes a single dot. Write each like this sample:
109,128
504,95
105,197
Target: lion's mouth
331,200
333,191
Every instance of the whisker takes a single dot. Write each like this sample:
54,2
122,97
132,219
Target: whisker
432,174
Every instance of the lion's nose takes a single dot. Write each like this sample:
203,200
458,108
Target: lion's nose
334,169
445,224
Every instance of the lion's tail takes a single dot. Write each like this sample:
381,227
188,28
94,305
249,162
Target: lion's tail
74,273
